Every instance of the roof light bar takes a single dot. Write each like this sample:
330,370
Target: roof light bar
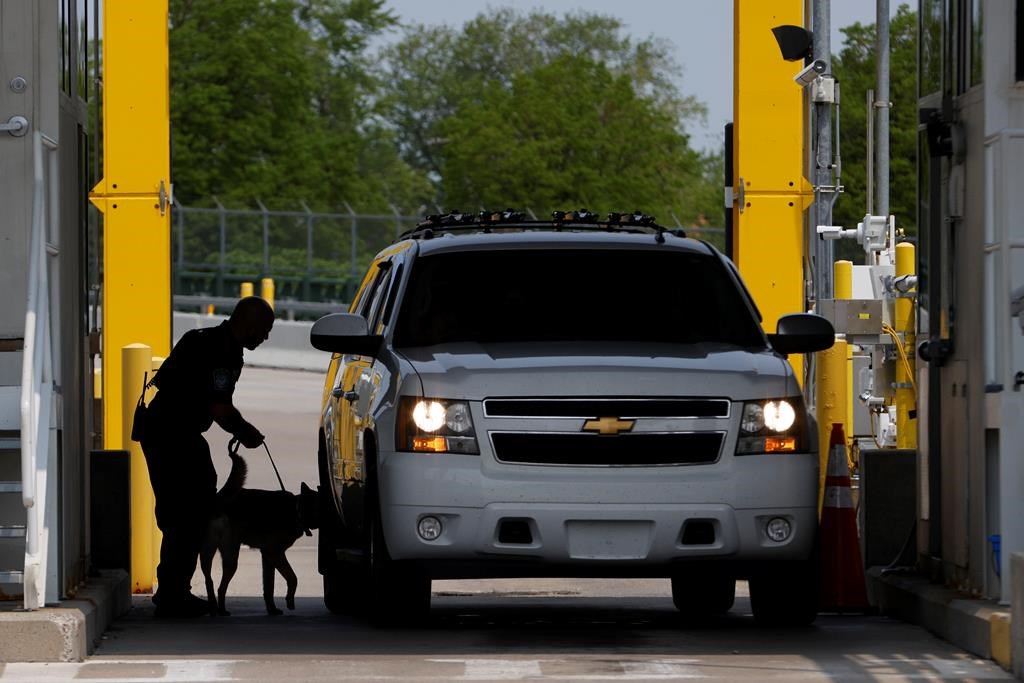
582,219
634,218
581,216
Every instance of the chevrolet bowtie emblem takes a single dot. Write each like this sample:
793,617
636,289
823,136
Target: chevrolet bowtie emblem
608,425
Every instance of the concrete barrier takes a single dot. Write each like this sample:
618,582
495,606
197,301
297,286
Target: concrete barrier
288,347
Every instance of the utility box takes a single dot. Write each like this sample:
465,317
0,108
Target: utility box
854,317
888,504
110,531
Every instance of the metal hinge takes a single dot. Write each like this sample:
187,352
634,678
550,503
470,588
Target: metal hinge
166,197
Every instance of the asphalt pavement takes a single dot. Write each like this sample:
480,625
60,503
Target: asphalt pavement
499,630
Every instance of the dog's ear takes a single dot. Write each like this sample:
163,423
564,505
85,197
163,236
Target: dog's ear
305,489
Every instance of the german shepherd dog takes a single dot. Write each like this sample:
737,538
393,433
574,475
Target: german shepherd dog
268,520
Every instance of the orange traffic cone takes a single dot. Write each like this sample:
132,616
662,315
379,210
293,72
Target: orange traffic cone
842,572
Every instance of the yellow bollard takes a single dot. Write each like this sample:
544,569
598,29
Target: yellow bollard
842,279
832,395
209,309
245,290
267,290
906,401
136,362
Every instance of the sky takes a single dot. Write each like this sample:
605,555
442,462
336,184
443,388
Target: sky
700,30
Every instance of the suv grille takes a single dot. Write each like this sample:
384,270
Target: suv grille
622,450
594,408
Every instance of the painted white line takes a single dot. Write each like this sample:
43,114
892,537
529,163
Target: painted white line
522,669
175,671
38,673
496,669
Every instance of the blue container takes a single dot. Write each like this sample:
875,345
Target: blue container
997,544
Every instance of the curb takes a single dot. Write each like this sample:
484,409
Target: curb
981,627
70,631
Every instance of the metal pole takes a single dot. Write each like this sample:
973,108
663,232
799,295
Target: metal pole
181,233
882,106
869,180
181,247
306,283
354,232
222,224
398,220
266,238
823,155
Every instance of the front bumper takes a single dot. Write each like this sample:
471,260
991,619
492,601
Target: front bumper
598,521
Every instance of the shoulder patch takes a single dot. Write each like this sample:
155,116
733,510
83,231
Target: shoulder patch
223,379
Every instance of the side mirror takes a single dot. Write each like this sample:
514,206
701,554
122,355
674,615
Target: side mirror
344,333
802,333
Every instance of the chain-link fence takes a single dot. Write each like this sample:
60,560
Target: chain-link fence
311,256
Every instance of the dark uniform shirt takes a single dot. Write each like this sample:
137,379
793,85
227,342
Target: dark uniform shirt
202,370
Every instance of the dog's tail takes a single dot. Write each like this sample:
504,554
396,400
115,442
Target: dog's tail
236,478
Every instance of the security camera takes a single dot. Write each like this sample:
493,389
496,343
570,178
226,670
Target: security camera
810,72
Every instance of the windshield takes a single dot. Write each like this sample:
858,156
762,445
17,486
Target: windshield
532,295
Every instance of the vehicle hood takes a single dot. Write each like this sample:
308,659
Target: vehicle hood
476,371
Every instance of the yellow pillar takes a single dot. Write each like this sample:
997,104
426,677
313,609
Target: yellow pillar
842,285
136,362
906,402
267,290
771,191
831,397
245,290
134,194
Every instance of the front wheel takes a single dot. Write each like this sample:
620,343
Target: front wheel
398,593
703,594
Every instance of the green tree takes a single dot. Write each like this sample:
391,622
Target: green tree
855,68
274,100
545,111
569,133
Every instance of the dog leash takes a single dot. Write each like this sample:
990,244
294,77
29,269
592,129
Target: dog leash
267,449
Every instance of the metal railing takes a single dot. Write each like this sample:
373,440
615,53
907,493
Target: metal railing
39,370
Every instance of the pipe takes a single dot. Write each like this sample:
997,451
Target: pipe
869,179
824,249
881,107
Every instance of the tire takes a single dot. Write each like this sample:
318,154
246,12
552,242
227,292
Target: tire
786,596
340,582
702,594
398,593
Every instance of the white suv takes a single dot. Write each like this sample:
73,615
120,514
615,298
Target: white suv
564,398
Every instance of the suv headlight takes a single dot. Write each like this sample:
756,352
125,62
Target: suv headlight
773,426
435,425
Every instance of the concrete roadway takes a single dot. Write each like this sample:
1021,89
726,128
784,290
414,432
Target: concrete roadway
572,630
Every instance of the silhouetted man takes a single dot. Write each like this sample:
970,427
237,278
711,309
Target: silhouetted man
196,383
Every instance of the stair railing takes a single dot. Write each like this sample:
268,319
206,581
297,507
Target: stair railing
37,379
